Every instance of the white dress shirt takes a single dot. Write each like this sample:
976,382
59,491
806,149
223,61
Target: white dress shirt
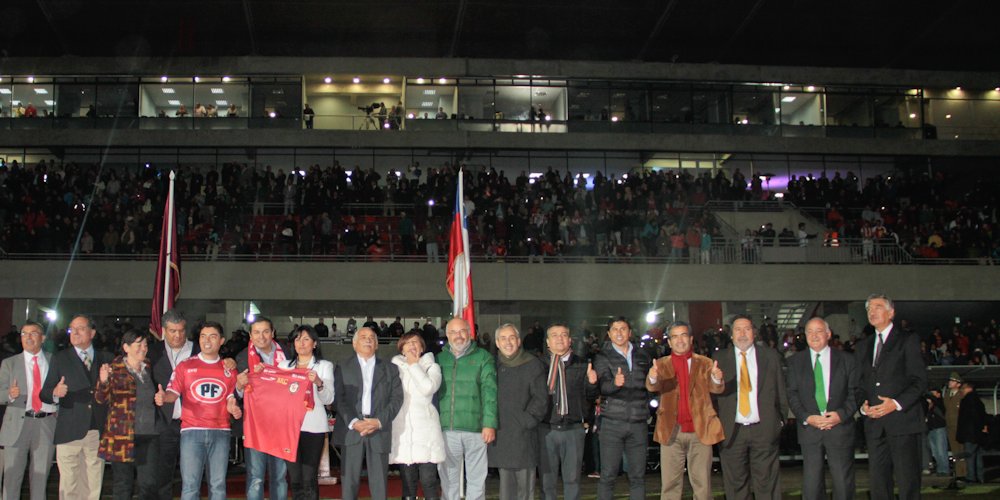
176,357
824,361
43,367
754,416
367,376
315,420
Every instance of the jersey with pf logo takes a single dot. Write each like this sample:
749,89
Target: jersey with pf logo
204,388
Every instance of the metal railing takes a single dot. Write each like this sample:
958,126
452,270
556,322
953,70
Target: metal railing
723,252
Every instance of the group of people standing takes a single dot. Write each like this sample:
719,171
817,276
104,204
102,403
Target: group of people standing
446,419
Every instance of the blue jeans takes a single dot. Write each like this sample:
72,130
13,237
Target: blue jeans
974,467
258,463
938,441
201,450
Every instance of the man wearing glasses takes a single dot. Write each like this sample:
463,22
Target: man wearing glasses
70,383
686,424
468,399
29,424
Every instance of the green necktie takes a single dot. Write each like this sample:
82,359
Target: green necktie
820,386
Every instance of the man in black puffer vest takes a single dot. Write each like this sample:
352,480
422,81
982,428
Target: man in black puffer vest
621,369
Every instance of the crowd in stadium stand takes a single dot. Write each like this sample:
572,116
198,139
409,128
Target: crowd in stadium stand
237,209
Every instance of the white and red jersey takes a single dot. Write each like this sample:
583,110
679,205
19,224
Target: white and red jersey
204,387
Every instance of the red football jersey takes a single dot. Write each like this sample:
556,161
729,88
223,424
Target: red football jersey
275,403
204,388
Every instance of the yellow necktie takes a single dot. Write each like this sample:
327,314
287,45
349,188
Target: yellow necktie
744,401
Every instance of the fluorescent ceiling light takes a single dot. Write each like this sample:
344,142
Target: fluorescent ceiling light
222,103
174,102
217,90
430,92
41,91
5,91
50,103
167,90
788,98
427,104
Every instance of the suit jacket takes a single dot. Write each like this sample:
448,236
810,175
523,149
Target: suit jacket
78,413
772,404
707,425
161,373
387,399
801,385
901,375
12,369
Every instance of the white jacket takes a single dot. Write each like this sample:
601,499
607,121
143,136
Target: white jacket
416,430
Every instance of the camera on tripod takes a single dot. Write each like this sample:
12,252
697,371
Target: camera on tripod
369,109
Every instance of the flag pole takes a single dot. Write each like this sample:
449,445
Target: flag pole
169,246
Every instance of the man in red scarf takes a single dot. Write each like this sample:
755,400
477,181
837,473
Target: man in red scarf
686,424
262,350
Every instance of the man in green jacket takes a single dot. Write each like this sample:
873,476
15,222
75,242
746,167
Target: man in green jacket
468,402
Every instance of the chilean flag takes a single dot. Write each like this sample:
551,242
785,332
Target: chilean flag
459,280
168,269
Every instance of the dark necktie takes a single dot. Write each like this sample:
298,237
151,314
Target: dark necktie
878,350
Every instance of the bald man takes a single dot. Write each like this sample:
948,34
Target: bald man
468,398
822,383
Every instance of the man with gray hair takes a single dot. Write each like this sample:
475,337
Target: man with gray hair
521,379
571,384
163,358
752,408
468,397
73,373
891,390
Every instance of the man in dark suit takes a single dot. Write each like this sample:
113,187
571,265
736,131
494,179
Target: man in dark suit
368,396
70,383
163,357
752,408
891,389
29,424
822,385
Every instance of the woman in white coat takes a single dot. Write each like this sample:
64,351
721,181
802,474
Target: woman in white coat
312,434
417,442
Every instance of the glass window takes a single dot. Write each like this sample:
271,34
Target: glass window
801,108
425,101
671,105
588,102
477,102
629,105
710,105
116,99
76,100
848,110
32,100
277,100
173,98
219,98
752,107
